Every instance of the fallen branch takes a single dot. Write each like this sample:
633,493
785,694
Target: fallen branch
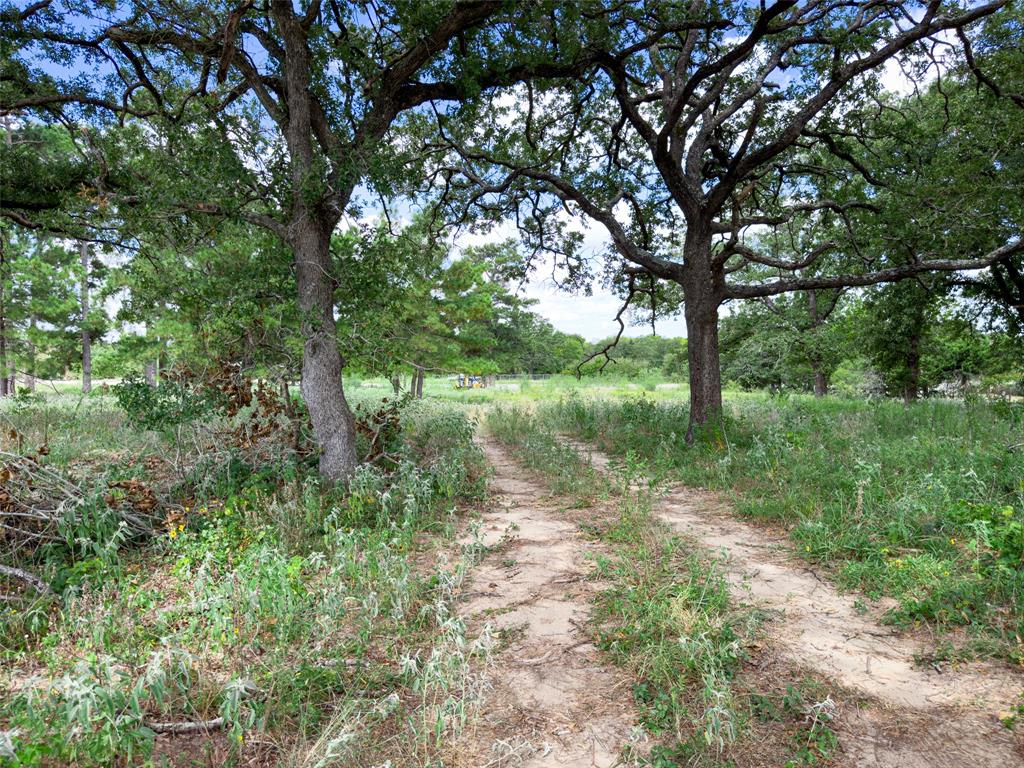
181,729
35,500
37,583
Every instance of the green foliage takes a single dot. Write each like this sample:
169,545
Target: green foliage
39,283
166,404
406,300
784,343
317,616
642,355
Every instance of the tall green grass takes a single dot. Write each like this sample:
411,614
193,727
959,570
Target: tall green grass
924,503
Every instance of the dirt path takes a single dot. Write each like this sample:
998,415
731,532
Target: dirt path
909,716
554,701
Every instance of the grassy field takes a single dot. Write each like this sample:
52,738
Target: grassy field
921,503
315,627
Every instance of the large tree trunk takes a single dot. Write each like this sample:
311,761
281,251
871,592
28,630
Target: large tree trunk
820,379
309,234
83,251
705,370
702,297
322,387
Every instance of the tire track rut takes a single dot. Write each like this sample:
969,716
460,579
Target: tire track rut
554,701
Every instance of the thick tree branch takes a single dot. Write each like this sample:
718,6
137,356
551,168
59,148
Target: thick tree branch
889,275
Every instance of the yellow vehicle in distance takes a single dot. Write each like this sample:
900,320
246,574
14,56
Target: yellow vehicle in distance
467,381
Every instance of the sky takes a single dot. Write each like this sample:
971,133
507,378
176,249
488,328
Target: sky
593,316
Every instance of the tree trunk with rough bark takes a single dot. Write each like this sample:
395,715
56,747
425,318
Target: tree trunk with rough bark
310,225
912,387
322,385
702,296
151,373
83,252
820,379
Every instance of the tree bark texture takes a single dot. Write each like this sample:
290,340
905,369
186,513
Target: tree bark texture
702,283
83,252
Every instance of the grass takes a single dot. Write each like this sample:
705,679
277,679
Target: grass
524,390
921,503
317,624
667,617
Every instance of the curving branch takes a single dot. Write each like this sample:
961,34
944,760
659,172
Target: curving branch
888,275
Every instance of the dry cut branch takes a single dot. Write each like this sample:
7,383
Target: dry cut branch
31,579
182,729
35,500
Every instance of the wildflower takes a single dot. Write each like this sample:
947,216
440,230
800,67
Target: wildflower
953,542
173,533
808,548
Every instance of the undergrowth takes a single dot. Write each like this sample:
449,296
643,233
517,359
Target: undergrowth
291,623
